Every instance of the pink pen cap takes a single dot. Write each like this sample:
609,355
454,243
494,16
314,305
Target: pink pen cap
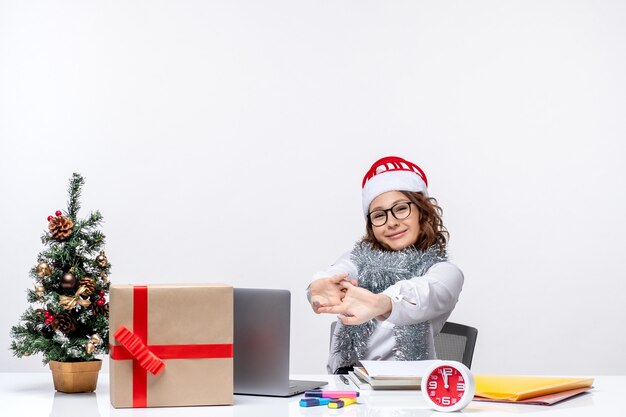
322,393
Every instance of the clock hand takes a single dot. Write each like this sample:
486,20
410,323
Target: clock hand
445,378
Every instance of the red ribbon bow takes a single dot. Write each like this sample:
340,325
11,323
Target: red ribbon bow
147,360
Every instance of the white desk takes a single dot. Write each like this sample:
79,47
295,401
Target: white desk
32,395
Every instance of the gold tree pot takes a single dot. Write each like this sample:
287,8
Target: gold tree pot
75,376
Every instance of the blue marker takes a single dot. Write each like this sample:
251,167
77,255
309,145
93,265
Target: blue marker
314,402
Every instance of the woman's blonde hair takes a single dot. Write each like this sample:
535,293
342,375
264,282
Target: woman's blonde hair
432,231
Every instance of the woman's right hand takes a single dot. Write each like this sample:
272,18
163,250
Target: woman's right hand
327,292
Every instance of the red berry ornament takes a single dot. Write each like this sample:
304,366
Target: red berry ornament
58,213
101,301
101,293
48,317
50,218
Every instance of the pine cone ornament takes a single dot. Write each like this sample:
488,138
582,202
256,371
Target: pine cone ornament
100,310
65,323
89,284
60,227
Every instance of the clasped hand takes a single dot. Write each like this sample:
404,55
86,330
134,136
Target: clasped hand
355,305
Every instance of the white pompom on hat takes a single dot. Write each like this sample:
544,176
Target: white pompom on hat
392,173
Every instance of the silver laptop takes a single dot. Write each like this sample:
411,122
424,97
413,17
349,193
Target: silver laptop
261,344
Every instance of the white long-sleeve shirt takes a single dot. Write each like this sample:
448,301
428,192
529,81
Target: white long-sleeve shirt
430,297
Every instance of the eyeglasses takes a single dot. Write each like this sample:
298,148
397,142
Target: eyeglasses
400,211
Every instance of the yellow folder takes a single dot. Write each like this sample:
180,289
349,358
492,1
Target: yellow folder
515,388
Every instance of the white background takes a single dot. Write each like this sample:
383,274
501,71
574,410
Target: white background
225,141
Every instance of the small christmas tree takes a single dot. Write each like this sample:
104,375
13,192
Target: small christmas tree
71,323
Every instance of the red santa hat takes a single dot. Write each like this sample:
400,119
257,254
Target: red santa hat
392,173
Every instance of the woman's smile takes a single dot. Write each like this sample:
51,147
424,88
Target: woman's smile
396,235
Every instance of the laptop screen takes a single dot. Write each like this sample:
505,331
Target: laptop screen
261,341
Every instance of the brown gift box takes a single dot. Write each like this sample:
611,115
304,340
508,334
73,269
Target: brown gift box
177,317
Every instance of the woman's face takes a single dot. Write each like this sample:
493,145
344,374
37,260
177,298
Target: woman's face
396,234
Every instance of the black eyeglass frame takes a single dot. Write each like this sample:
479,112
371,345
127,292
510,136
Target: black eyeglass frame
390,209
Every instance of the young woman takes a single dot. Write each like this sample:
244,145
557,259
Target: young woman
395,290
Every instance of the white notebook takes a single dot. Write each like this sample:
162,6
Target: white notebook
396,369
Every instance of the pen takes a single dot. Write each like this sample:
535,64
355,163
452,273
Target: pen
331,394
344,379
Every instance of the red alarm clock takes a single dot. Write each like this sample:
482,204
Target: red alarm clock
448,386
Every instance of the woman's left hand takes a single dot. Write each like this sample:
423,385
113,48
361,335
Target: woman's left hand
359,305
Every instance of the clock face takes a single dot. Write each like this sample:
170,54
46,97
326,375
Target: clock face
448,386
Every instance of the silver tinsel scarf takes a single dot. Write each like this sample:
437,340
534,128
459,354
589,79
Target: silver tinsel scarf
378,270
